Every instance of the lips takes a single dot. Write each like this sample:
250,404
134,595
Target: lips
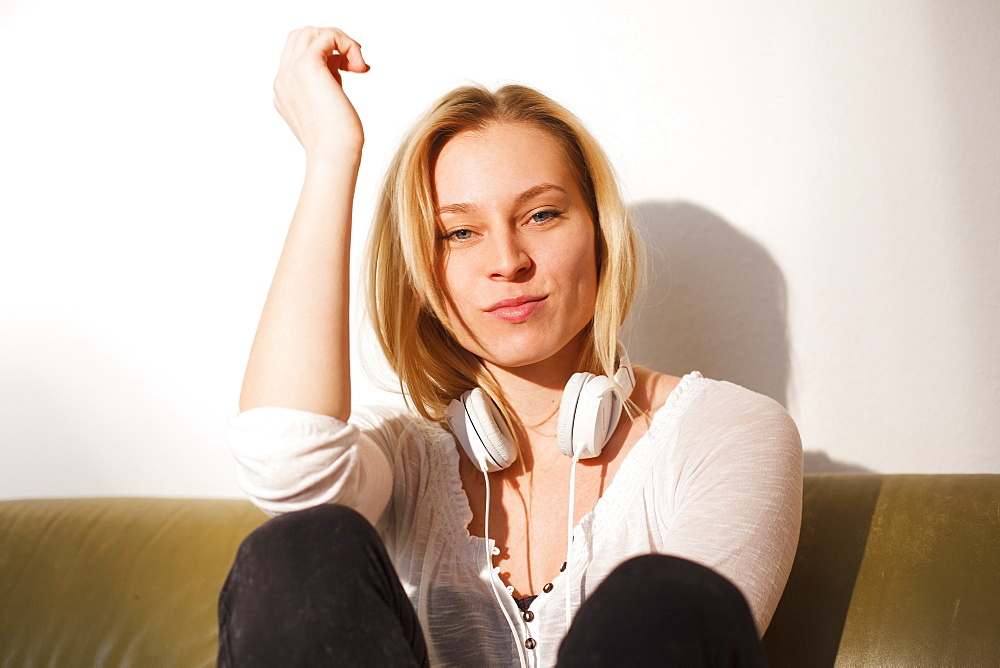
516,309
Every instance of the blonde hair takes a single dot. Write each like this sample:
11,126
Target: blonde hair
404,297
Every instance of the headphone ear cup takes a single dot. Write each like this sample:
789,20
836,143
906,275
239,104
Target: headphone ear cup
567,411
594,411
488,439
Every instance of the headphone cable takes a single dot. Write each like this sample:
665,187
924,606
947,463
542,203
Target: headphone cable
493,584
569,537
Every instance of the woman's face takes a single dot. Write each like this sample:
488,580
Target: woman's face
517,262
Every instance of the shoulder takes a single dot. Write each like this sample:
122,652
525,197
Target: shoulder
652,389
709,398
716,419
726,406
725,422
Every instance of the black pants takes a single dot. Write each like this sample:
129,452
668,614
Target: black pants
316,588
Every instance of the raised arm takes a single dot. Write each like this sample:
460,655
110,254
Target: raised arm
300,355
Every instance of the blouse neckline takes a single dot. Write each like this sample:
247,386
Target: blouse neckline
610,507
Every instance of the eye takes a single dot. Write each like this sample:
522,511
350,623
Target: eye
545,216
460,234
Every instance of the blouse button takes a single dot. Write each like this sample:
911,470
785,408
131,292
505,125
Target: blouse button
530,643
547,588
528,615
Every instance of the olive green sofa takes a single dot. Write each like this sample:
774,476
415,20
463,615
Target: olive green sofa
892,570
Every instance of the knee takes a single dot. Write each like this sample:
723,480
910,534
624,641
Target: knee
679,587
662,610
676,573
293,572
293,539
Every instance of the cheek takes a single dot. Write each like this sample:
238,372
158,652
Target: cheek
577,261
588,283
452,275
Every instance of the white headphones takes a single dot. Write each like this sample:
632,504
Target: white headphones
588,415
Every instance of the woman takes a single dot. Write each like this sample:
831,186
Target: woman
501,267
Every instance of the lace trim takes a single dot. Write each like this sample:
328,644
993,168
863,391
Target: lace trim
524,602
445,483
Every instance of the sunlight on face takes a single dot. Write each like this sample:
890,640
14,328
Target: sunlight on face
517,259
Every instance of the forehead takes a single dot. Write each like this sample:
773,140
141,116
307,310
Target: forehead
489,166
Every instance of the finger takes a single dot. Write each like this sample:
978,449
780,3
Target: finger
353,60
333,39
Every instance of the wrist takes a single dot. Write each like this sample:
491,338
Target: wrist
341,150
333,163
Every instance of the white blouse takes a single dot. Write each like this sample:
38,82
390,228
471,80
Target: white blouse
716,479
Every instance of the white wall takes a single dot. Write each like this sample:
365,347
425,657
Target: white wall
820,187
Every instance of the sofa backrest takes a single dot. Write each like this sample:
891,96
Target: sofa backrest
115,582
893,570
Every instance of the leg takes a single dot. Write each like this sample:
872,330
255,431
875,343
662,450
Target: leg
316,588
665,611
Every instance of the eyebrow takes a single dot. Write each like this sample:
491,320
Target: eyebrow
527,195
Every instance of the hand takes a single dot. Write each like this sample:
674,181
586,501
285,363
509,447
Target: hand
310,97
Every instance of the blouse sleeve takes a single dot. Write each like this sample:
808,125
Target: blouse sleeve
737,502
288,460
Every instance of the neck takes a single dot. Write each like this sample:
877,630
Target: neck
533,393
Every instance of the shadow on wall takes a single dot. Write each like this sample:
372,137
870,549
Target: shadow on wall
717,303
817,461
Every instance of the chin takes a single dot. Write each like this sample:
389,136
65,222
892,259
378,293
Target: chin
512,360
520,351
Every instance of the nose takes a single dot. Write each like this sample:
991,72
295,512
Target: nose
509,260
